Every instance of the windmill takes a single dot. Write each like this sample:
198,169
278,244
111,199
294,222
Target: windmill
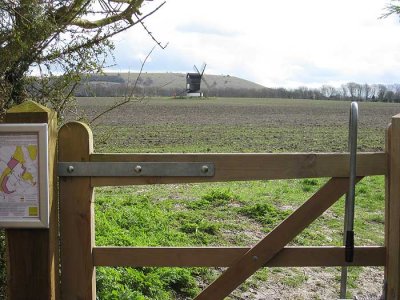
193,81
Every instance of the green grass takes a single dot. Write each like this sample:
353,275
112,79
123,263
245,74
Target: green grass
265,213
220,214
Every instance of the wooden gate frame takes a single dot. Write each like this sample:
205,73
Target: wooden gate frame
80,256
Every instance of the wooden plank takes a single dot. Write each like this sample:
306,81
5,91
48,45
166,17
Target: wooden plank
226,256
78,279
259,166
32,254
393,242
268,247
388,136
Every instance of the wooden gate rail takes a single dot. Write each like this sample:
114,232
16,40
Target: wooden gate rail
226,256
258,166
79,256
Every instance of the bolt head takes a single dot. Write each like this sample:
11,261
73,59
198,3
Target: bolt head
138,169
204,169
70,169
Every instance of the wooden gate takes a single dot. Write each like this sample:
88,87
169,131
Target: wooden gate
80,256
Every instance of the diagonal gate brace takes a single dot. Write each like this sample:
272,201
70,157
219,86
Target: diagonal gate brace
274,242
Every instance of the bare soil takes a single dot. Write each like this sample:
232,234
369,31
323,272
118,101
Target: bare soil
234,125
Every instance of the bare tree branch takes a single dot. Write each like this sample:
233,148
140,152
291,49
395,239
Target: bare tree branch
127,98
151,34
101,38
391,9
130,10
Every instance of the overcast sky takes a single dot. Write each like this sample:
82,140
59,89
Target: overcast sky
274,43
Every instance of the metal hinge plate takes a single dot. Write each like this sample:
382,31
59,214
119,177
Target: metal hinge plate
138,169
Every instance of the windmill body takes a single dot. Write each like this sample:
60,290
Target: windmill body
193,82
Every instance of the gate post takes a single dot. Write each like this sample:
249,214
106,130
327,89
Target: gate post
33,254
392,214
78,280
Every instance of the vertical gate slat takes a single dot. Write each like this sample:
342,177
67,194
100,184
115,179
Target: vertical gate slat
392,270
387,196
78,280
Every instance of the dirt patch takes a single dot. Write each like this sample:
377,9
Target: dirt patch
313,283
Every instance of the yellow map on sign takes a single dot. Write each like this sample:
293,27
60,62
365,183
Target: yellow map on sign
16,172
19,176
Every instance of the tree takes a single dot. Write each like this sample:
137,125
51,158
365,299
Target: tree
389,96
367,91
328,91
344,91
381,91
354,90
66,38
392,8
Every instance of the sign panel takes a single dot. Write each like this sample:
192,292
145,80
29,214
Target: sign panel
24,191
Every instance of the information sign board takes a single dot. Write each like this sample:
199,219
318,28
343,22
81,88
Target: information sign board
24,183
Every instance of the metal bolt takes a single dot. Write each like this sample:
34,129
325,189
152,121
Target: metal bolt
255,258
70,169
138,169
204,169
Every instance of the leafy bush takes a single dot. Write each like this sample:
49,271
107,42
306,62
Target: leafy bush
265,213
213,198
308,185
200,227
145,283
218,197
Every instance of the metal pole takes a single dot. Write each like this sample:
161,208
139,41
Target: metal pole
348,237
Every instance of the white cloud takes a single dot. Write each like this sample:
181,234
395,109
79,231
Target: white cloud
275,43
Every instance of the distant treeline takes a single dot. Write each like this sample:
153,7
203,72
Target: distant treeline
104,78
348,91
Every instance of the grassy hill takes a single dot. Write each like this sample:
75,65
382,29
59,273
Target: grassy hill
178,80
113,84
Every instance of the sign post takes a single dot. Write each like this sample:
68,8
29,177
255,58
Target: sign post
24,183
32,253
